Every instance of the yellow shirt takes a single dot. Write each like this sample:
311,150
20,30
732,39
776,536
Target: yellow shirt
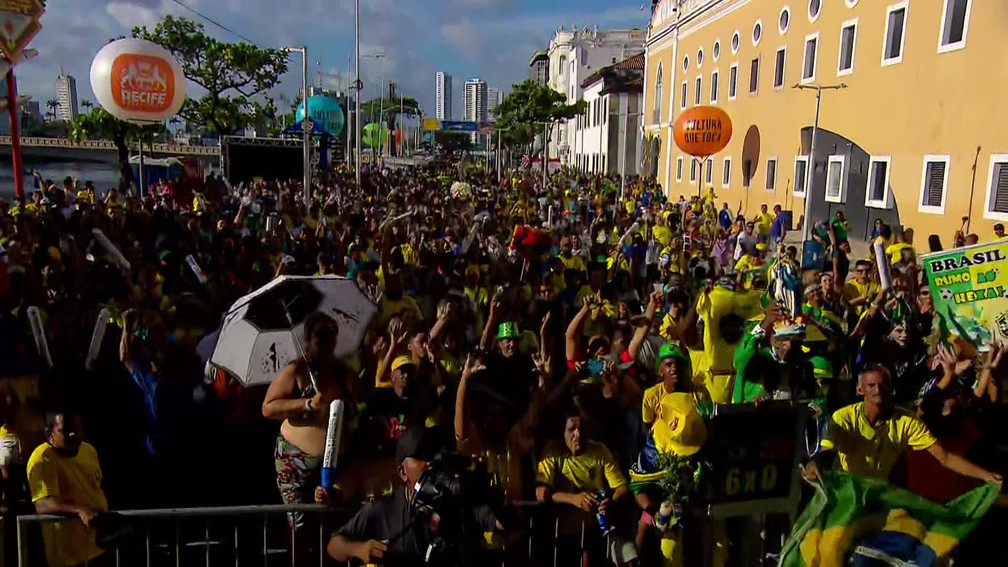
388,309
74,480
763,223
854,289
654,410
594,468
662,234
872,451
574,263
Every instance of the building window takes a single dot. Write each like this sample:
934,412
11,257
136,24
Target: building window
685,63
771,174
784,20
834,180
717,50
848,41
800,175
778,75
811,52
877,193
757,32
735,42
678,169
934,182
698,92
726,172
955,22
699,58
895,33
709,172
814,9
754,76
692,170
714,80
685,95
997,188
656,119
732,81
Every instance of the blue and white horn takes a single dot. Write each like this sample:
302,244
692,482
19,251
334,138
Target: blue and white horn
97,338
335,431
195,267
111,249
38,332
882,260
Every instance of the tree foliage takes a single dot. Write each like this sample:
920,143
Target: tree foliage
529,104
231,74
97,123
453,143
386,109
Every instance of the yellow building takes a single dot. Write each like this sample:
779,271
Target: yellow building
913,124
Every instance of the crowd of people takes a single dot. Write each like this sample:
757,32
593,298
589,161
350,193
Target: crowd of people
574,338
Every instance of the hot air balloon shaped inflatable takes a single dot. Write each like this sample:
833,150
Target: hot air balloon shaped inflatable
138,81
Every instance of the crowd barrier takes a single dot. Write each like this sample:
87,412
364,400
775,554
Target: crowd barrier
259,535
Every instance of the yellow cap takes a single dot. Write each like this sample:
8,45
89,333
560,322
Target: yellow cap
401,361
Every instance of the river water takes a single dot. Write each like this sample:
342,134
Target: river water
103,175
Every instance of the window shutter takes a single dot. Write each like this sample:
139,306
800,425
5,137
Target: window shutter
1001,188
936,183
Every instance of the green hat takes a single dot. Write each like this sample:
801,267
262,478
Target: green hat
669,350
822,368
507,330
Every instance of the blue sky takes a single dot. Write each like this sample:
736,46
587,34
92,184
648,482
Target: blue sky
490,39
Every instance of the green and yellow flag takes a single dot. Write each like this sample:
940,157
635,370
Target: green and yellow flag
860,521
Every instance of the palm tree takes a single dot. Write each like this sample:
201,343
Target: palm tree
87,104
52,104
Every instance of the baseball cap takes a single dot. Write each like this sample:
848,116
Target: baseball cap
418,443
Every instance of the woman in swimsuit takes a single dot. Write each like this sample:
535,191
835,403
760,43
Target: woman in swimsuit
303,411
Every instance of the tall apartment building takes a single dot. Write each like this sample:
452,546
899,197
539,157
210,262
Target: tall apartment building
443,96
539,67
66,96
494,97
476,103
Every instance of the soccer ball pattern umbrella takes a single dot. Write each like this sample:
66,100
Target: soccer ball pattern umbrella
264,331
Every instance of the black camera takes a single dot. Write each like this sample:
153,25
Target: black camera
455,497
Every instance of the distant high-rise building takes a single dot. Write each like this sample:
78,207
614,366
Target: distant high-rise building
476,100
494,97
66,96
476,103
443,96
539,67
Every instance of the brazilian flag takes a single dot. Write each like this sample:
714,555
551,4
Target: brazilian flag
855,521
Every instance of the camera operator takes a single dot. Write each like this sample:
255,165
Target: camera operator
393,530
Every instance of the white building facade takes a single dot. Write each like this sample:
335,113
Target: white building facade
607,136
66,96
443,96
576,54
476,104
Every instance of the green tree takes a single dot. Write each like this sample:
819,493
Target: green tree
453,143
524,110
99,124
52,104
388,109
231,74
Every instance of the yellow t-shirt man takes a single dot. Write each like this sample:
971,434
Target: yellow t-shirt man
74,480
870,451
592,469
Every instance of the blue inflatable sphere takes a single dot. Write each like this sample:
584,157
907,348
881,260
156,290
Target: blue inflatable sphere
324,110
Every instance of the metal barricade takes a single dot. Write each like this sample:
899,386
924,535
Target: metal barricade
244,535
259,535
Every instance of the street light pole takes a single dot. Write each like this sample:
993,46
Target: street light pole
305,130
357,87
810,166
